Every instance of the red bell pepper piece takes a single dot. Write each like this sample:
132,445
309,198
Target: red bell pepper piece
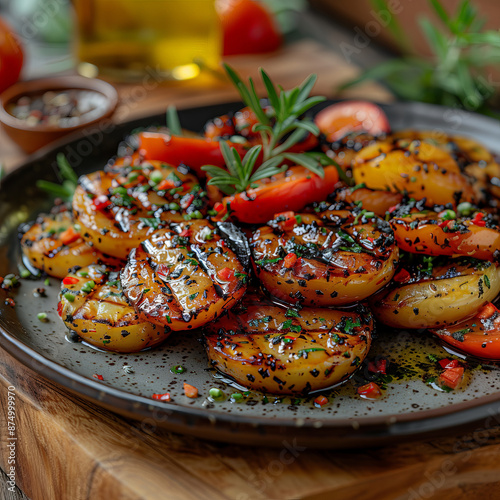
226,274
191,151
452,377
449,363
321,400
370,391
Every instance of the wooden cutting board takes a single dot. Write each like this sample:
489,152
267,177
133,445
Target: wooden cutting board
70,449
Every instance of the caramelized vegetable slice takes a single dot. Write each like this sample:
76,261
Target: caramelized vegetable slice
117,210
331,258
94,306
444,233
448,294
269,348
183,276
479,336
418,168
473,158
54,244
372,200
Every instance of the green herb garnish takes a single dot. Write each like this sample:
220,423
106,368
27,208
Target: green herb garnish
69,180
456,74
280,127
240,173
173,123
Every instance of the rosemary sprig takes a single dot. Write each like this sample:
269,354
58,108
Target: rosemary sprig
240,173
173,122
456,73
70,180
282,126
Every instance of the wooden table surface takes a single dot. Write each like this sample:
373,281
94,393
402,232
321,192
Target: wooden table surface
70,449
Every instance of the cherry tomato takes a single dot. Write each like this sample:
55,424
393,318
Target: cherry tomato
342,118
191,151
11,56
248,27
292,190
479,336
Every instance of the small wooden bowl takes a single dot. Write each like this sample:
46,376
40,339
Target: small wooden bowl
31,138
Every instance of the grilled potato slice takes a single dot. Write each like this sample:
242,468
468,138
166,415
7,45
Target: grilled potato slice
183,276
452,292
331,258
53,245
119,209
94,306
267,347
419,168
473,158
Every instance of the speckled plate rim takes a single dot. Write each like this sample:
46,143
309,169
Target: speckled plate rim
314,432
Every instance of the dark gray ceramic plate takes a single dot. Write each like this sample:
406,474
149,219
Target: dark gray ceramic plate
411,408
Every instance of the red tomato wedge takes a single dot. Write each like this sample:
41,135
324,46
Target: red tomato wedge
191,151
248,27
290,191
341,118
11,56
479,336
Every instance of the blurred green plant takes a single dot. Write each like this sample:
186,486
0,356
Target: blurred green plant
49,21
456,74
286,13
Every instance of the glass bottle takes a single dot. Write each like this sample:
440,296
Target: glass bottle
126,39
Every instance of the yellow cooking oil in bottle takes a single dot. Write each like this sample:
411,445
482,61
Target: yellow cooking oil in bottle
127,39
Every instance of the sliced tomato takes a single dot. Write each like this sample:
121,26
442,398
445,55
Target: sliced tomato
248,27
191,151
479,336
435,234
342,118
11,56
290,191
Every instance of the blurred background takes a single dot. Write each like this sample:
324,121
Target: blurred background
439,51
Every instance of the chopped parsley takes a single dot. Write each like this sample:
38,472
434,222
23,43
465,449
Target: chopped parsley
350,324
151,222
255,322
264,262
